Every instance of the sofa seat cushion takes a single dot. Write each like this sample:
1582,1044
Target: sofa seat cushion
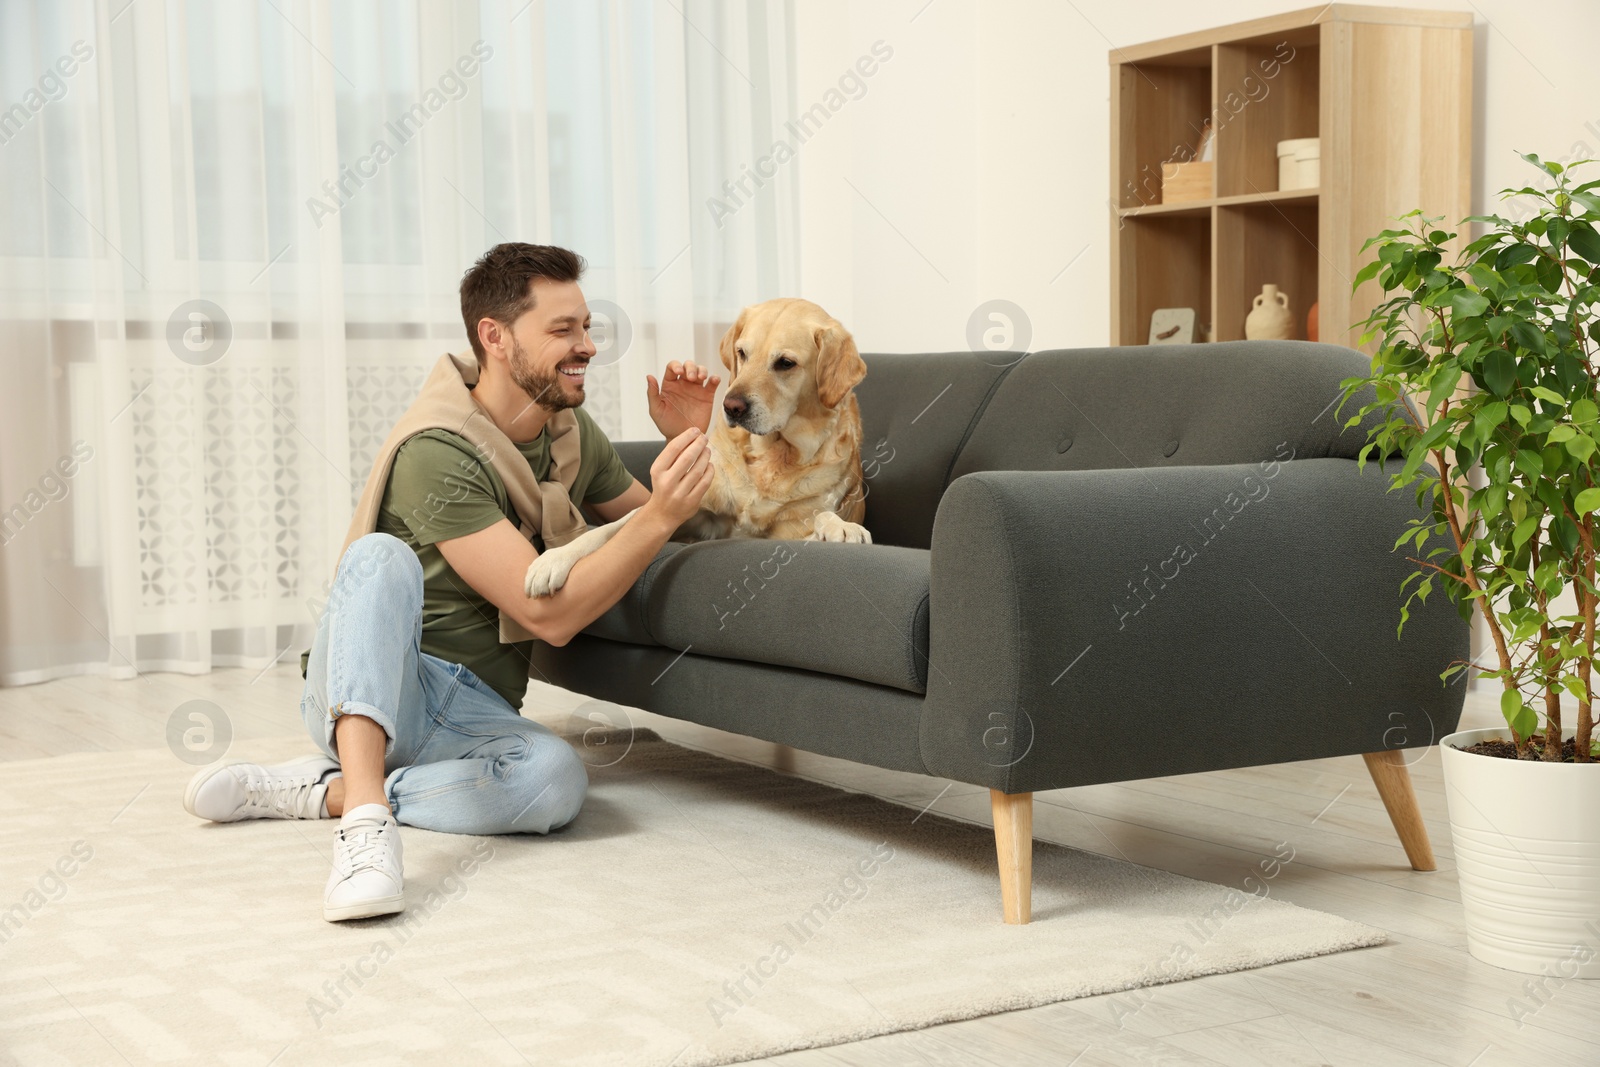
856,611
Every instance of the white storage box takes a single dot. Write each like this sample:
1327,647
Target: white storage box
1300,163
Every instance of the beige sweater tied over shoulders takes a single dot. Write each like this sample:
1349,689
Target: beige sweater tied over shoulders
445,403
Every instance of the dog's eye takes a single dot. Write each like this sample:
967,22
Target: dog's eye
743,355
783,363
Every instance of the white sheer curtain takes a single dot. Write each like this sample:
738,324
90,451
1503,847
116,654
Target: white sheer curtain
230,239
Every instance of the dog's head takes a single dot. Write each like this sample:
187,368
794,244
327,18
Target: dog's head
786,358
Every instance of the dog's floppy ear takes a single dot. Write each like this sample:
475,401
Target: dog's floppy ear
729,359
839,366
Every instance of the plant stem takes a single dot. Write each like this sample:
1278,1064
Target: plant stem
1586,601
1550,668
1552,698
1470,573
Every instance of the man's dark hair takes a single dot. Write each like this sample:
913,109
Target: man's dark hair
500,285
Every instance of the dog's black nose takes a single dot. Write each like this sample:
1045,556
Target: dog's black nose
735,407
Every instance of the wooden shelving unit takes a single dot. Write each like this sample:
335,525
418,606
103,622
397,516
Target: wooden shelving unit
1387,90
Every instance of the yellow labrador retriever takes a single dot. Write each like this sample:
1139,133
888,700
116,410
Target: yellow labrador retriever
787,460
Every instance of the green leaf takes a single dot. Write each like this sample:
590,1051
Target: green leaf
1468,304
1525,624
1519,716
1584,241
1528,336
1444,385
1574,685
1588,500
1562,433
1510,703
1566,534
1581,447
1528,370
1512,255
1548,271
1366,274
1571,371
1524,530
1489,416
1499,371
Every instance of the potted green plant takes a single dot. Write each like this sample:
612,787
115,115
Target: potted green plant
1487,392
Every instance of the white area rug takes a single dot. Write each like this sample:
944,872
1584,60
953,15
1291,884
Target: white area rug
699,911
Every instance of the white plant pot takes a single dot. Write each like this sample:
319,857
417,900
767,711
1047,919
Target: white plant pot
1532,901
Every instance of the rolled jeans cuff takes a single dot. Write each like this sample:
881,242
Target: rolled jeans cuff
356,707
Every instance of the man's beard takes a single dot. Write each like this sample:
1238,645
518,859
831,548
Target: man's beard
543,387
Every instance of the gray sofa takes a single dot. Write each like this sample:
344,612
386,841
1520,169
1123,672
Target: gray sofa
1090,566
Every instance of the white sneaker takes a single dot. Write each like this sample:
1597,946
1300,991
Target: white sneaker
235,791
367,878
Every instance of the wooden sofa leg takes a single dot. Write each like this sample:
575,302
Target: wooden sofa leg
1013,844
1389,774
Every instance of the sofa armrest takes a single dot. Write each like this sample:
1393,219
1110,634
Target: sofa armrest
637,457
1111,625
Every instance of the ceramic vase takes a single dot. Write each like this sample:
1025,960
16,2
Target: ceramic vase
1270,318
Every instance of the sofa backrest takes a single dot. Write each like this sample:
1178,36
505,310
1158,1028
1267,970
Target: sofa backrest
1166,405
916,411
1090,409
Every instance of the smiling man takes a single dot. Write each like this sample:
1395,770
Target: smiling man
421,655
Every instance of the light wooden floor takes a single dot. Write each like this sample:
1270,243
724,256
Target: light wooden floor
1418,1000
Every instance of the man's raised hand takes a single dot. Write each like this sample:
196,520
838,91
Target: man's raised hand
684,398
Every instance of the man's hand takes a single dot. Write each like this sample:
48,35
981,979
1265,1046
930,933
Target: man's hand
683,398
680,476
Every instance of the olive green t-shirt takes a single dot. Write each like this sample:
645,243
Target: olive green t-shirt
439,489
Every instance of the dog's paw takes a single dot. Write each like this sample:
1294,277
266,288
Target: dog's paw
830,527
547,574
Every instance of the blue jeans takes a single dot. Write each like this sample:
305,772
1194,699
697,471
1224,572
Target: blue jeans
458,758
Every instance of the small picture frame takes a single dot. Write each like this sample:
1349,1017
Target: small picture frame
1172,326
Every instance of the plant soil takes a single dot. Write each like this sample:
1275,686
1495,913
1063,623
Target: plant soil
1506,750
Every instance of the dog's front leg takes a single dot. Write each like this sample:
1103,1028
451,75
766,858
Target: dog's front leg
828,526
547,574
